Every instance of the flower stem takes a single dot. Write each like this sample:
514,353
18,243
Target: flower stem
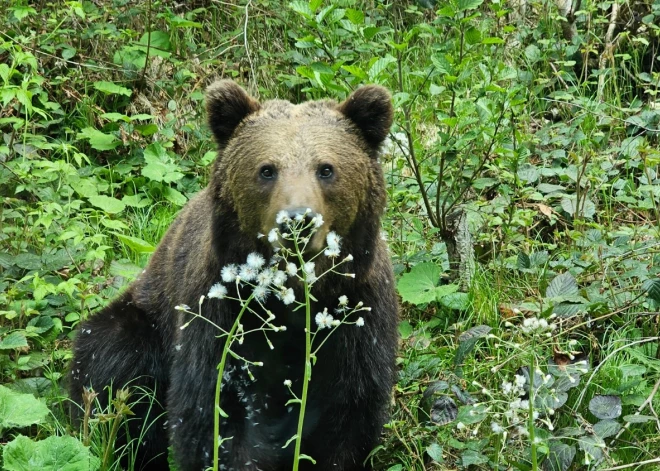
218,384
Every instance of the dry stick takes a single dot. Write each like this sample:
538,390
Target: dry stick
607,52
247,49
639,463
649,402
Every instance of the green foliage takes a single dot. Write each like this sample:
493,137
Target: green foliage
51,454
543,133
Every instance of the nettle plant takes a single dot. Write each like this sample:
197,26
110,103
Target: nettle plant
288,268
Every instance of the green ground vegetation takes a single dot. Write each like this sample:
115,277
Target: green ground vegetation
523,217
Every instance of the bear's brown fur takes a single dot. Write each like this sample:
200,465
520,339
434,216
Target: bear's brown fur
273,156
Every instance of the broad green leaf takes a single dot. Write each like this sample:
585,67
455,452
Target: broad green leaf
560,457
405,329
562,285
108,204
471,457
111,89
355,16
435,452
528,173
472,414
605,407
160,166
586,208
174,196
20,409
356,71
136,244
468,340
455,301
472,35
638,419
419,285
523,261
13,341
52,454
159,41
380,66
593,445
99,140
468,4
607,428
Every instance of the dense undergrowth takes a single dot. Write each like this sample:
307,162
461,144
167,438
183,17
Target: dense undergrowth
523,218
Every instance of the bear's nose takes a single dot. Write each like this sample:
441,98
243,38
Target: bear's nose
300,218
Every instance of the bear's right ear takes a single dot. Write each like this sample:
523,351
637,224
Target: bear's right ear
227,105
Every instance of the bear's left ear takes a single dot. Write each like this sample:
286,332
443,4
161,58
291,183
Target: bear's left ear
227,105
370,108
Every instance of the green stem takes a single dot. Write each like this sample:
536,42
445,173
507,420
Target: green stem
308,364
532,441
218,385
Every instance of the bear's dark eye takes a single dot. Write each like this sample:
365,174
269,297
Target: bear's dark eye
325,171
267,172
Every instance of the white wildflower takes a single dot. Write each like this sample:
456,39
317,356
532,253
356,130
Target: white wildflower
255,260
334,244
507,387
287,383
279,278
335,323
229,273
272,236
343,300
265,277
323,319
317,221
260,292
282,217
291,269
359,322
496,428
247,272
287,296
460,425
519,381
217,291
310,272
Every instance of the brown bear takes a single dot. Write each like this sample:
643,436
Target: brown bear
272,157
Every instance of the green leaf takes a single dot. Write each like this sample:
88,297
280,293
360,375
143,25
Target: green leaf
652,288
586,208
107,203
174,196
435,452
472,414
13,341
159,41
355,16
380,66
20,409
455,301
111,88
468,340
468,4
419,285
99,140
592,445
136,244
562,285
528,173
159,166
471,457
605,407
523,261
355,71
472,35
52,454
405,329
607,428
638,419
560,457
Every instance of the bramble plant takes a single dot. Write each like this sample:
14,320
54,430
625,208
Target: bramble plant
291,266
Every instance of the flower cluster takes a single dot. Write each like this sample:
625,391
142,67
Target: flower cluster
534,325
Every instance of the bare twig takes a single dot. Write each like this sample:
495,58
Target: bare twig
630,465
608,51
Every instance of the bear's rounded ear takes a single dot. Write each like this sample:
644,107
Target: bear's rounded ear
227,105
370,108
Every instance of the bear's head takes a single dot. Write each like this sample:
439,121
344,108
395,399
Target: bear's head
276,156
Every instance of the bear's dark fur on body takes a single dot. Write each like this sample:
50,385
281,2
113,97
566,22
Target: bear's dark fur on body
137,339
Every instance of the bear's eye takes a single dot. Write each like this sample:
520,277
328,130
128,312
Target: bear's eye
267,172
325,171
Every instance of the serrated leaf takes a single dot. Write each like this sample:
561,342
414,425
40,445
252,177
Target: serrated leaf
108,204
605,407
98,140
455,301
606,428
468,340
52,454
20,409
435,452
355,16
472,414
13,341
560,457
652,288
562,285
586,207
441,410
111,89
174,196
523,262
472,35
418,286
548,188
355,71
